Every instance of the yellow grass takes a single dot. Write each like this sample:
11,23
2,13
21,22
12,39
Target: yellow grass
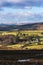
29,32
19,47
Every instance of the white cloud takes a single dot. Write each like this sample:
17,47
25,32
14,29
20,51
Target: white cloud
15,1
18,1
27,7
23,0
24,14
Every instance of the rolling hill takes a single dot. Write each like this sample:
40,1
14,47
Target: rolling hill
34,26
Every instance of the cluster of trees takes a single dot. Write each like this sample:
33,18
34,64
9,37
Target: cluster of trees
12,39
7,39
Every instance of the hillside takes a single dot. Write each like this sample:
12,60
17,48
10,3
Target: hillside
34,26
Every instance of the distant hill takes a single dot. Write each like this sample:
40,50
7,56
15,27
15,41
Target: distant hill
34,26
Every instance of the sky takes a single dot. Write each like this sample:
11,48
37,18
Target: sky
21,11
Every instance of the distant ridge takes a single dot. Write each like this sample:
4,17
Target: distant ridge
32,26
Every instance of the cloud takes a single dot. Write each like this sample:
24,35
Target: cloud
21,3
18,1
15,1
20,17
21,11
27,7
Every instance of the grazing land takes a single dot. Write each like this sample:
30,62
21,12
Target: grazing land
21,40
21,47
